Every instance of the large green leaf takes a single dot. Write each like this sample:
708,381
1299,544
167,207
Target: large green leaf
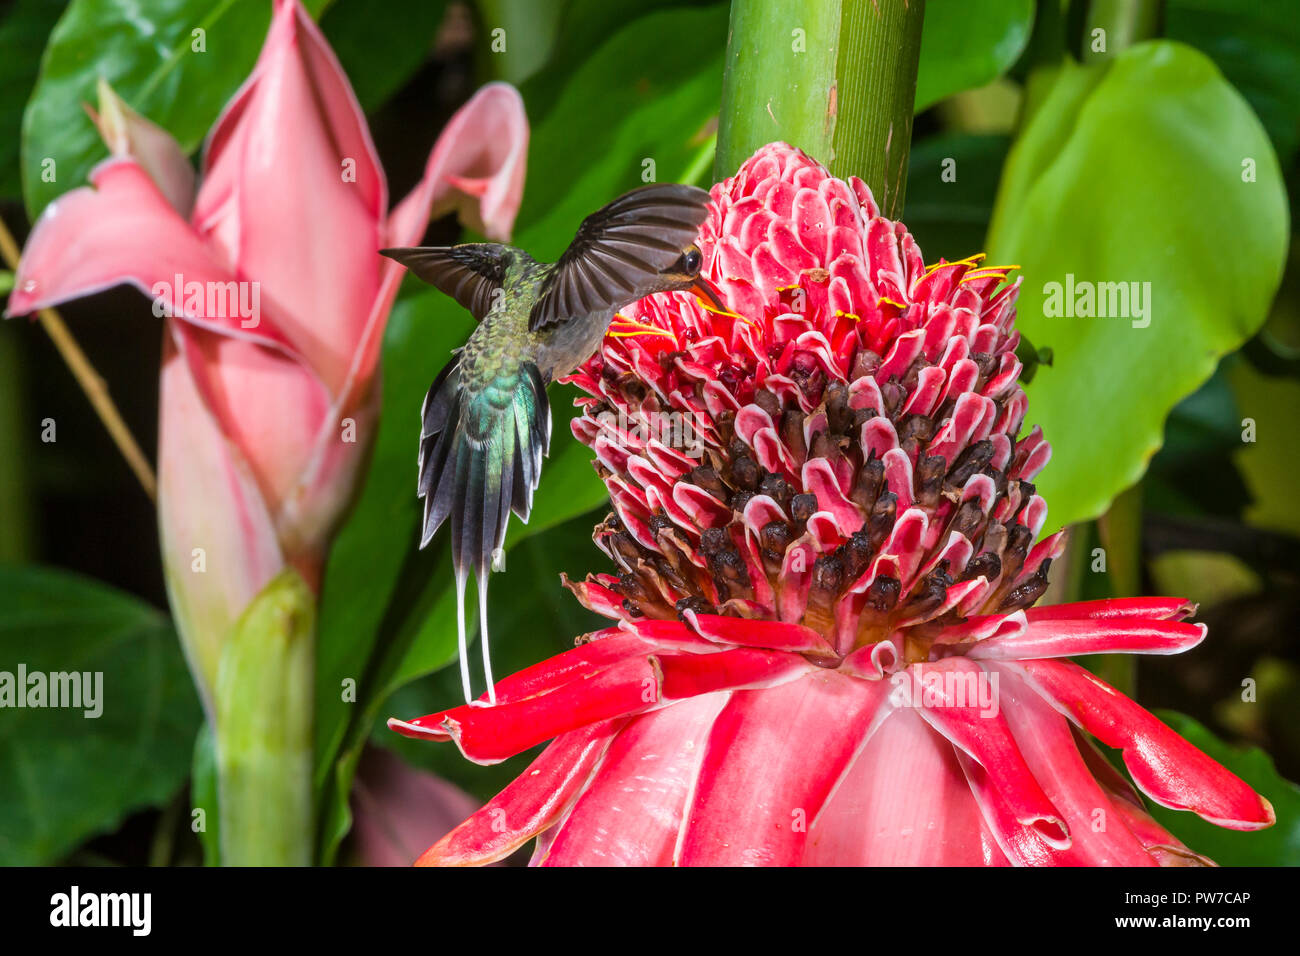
64,776
147,53
964,45
387,611
1277,846
1132,171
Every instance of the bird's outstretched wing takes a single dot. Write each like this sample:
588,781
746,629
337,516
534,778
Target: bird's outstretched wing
470,273
620,252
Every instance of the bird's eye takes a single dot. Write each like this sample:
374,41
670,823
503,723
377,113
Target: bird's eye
691,261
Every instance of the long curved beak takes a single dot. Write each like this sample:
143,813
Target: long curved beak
705,290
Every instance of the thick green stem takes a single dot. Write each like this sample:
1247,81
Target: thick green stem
264,695
836,78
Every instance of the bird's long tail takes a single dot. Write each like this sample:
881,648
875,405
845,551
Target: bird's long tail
481,450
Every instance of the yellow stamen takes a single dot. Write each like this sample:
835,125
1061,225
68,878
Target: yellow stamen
635,328
710,307
898,305
967,261
987,272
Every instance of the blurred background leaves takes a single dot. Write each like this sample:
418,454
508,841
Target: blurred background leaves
69,773
1095,169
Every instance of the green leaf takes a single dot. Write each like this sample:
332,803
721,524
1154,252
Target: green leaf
1279,845
1132,171
528,33
23,29
65,776
147,53
964,45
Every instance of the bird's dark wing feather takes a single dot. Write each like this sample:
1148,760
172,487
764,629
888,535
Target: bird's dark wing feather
470,273
620,251
481,456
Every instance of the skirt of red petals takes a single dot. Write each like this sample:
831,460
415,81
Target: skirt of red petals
726,742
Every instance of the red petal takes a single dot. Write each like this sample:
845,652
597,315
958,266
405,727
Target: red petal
771,761
631,811
123,230
1046,741
572,665
774,635
950,695
489,735
903,802
1070,637
1165,766
529,804
1159,608
689,675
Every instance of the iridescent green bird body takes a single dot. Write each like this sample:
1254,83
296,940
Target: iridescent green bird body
486,421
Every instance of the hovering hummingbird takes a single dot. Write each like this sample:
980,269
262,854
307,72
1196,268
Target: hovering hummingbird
486,421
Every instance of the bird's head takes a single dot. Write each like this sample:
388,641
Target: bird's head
684,274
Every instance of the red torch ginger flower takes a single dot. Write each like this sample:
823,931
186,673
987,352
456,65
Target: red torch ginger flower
825,524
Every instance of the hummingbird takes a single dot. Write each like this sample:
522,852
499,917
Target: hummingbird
486,423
